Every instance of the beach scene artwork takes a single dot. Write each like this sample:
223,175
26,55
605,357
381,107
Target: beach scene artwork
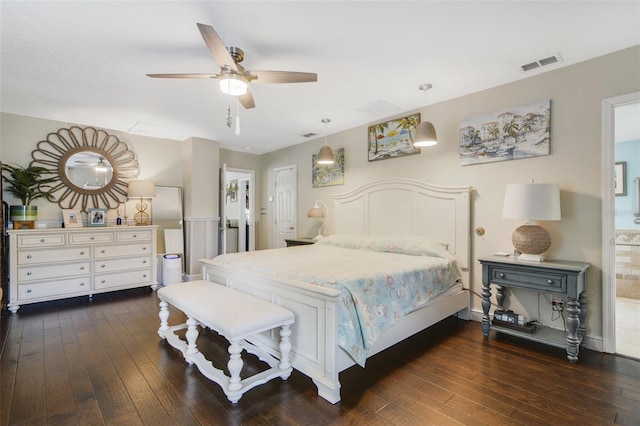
393,138
511,134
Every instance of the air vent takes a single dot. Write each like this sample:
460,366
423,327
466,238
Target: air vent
309,135
541,62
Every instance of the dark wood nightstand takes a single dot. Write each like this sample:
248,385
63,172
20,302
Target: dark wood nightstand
298,241
561,277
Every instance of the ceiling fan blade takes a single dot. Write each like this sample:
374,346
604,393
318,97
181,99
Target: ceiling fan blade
247,100
182,75
281,76
216,47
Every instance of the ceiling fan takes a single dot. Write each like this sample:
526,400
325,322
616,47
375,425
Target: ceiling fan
234,78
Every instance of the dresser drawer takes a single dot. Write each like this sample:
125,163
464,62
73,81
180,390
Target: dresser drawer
122,279
27,257
111,265
538,280
119,250
41,272
90,237
131,236
54,288
41,240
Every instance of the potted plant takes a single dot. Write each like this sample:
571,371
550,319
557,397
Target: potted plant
26,184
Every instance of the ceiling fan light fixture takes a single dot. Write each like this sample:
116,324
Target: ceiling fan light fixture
233,84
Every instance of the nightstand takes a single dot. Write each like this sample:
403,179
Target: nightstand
559,277
298,241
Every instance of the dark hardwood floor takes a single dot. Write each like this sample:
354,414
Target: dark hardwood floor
101,362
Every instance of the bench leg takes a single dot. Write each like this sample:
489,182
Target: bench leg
235,365
285,348
192,336
164,317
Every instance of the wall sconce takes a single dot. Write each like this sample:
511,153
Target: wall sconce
425,132
141,189
531,201
325,156
317,213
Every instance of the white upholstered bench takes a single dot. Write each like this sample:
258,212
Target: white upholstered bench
234,315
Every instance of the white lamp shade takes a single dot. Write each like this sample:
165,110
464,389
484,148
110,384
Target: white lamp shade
325,156
231,84
425,135
316,212
532,201
141,189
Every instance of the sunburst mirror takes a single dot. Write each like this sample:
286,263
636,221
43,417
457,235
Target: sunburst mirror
91,168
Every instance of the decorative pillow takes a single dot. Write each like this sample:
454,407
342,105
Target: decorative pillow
413,245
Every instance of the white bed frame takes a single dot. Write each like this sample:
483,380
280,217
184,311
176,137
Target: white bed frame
387,207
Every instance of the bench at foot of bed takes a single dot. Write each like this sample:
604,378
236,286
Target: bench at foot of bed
234,315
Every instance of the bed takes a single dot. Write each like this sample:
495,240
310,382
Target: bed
366,221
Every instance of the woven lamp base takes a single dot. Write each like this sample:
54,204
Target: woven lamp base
531,239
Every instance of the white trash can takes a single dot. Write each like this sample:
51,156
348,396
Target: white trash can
171,269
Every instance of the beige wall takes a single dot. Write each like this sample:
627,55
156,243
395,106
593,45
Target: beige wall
576,94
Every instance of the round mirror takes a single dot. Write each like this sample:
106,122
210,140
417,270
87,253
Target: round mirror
90,167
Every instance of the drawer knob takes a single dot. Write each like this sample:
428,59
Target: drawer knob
102,251
29,291
29,273
144,261
82,268
42,240
102,266
549,282
144,276
93,238
135,236
28,256
81,284
144,248
501,275
103,281
81,253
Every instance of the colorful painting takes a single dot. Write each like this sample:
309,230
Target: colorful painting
393,138
506,135
328,174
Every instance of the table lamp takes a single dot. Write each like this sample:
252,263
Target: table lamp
317,213
141,189
531,201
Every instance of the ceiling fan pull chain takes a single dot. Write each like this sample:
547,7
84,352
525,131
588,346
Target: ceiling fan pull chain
237,117
229,119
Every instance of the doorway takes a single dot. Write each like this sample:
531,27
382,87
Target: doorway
620,232
237,212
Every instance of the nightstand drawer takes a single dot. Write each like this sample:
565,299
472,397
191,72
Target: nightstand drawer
535,280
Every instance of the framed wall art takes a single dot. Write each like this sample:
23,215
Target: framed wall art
97,217
510,134
71,218
620,178
328,174
393,138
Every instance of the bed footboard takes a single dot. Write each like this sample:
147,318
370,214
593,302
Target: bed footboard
314,335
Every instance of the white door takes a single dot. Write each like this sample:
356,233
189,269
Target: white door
285,209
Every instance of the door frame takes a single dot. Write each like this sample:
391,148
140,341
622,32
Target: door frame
609,219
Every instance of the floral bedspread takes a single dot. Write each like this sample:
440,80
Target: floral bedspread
378,282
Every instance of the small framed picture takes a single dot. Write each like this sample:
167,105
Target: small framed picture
71,218
97,217
620,182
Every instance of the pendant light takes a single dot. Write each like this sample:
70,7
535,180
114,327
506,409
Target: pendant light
425,132
325,156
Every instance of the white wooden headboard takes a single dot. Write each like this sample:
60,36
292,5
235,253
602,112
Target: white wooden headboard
407,206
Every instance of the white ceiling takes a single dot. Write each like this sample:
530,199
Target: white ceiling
85,61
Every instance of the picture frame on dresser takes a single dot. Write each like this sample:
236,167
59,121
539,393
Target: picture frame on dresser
72,218
97,217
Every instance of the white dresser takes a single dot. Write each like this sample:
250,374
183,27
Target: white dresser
50,264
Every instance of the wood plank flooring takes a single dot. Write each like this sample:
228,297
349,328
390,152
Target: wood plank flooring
100,361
